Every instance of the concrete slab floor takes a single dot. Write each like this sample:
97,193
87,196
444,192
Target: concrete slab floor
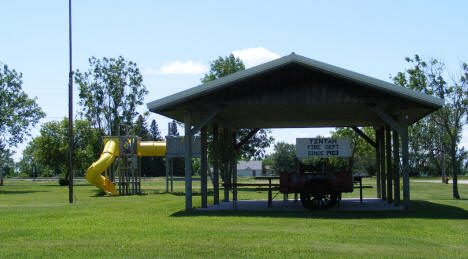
289,205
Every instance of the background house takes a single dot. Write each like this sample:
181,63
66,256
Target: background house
249,168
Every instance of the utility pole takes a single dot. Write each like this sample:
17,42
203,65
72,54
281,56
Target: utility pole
70,110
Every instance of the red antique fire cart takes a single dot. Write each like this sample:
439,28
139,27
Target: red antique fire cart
319,185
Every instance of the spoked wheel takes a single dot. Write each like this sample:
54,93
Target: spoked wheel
318,194
318,201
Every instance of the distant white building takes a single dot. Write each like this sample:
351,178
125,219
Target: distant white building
249,168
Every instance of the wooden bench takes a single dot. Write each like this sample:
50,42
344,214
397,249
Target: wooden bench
270,186
358,179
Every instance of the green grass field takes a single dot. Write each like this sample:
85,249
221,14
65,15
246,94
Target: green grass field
37,221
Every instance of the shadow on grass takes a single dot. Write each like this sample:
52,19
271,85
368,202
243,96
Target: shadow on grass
210,192
419,209
100,193
451,199
180,193
66,186
18,192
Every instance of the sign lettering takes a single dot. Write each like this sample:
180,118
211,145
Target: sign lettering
322,147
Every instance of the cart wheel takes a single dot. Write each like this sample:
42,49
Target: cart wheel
324,201
325,198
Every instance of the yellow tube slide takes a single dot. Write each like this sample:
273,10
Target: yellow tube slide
94,172
108,155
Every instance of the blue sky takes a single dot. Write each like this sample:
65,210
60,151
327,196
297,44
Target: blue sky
173,41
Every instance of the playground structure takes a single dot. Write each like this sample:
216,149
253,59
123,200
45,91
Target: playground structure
126,173
121,165
175,149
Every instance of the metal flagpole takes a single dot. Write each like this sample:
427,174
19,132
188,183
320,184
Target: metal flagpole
70,110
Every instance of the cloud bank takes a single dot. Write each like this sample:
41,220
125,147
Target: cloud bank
250,56
255,56
179,68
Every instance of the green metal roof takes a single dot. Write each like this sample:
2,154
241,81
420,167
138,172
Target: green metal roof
219,83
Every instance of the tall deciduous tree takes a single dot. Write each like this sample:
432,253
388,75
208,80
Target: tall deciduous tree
7,165
429,77
109,92
18,113
362,153
29,165
223,67
283,158
49,150
255,147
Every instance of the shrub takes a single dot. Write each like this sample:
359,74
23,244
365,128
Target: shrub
63,181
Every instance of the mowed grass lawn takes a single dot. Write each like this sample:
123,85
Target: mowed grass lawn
36,220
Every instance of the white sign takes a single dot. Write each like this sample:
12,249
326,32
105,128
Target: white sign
322,147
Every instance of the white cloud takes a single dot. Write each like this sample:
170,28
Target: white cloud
255,56
179,68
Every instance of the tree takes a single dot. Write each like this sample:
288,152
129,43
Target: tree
222,67
7,165
362,153
18,113
154,131
109,92
427,147
48,151
29,164
140,128
447,122
158,164
283,158
255,146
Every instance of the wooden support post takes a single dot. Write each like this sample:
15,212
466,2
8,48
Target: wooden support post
167,174
405,154
388,153
171,167
383,190
360,189
396,167
139,175
226,163
215,164
377,162
188,160
234,168
203,168
270,195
